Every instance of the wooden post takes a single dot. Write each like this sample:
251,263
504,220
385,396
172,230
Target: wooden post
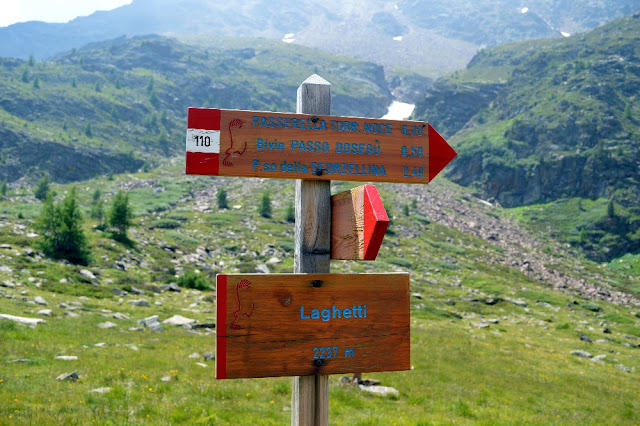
310,394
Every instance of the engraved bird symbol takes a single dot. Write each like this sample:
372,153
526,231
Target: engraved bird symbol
231,152
241,311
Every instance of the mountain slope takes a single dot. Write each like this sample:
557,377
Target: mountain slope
540,121
111,106
436,37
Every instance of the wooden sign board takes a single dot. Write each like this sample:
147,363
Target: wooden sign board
300,146
271,325
358,224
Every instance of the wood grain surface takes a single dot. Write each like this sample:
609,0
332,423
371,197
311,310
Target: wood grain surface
313,146
310,324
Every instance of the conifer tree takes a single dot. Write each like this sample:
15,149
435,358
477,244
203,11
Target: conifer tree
43,188
222,199
120,216
60,227
291,213
265,206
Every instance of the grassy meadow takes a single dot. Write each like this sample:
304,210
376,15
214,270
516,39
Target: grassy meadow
489,344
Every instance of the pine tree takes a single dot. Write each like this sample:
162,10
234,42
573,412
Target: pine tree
97,209
42,188
4,187
120,216
405,209
265,206
222,199
611,209
60,227
291,213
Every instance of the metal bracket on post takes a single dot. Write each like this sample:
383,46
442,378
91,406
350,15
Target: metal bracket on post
310,394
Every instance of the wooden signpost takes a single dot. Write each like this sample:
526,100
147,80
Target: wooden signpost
311,323
358,224
308,146
307,324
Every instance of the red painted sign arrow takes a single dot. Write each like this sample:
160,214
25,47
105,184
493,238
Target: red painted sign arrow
358,224
300,146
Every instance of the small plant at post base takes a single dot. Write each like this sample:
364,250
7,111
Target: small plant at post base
265,206
222,199
120,216
405,209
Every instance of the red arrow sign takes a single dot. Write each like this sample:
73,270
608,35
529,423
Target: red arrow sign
358,224
300,146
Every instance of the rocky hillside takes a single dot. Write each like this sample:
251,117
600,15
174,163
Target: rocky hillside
435,37
535,122
115,106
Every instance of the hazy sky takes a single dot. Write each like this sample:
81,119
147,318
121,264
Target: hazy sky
12,11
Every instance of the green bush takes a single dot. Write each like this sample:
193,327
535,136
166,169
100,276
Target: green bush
166,224
192,279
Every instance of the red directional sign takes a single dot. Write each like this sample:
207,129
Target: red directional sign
300,146
358,224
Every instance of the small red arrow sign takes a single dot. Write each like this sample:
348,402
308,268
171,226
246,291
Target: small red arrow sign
358,224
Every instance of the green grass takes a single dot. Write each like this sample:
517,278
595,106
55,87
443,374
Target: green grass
518,371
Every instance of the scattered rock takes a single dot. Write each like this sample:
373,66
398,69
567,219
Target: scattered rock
262,268
585,338
67,358
209,356
45,312
165,379
68,376
416,295
132,347
100,345
171,287
195,355
40,300
120,316
520,303
139,302
480,324
203,325
491,301
151,323
100,390
119,292
624,368
582,354
202,364
87,274
22,320
606,331
106,325
19,360
178,320
380,390
137,291
273,261
369,382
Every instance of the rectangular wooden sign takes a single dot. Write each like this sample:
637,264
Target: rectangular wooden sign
300,146
306,324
